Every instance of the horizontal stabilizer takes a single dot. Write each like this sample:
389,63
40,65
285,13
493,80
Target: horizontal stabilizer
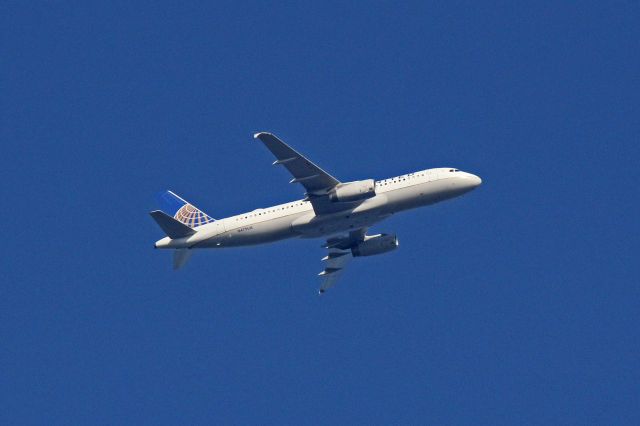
172,227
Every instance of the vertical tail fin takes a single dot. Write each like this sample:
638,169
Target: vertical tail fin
182,210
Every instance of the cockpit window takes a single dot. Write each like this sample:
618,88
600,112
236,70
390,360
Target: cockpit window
453,170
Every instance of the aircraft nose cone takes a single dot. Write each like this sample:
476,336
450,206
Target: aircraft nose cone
471,181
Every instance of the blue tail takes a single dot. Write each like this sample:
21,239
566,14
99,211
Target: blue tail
182,210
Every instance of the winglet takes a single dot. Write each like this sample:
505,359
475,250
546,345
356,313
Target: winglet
258,134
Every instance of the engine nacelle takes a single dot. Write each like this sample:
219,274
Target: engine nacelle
376,244
353,191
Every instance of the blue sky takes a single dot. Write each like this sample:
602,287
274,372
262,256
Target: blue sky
515,304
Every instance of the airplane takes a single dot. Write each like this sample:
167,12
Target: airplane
339,211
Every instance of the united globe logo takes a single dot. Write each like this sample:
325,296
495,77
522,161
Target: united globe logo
191,216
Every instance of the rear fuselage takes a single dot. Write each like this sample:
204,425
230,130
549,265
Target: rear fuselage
297,219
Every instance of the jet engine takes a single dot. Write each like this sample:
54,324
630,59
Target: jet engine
353,191
375,244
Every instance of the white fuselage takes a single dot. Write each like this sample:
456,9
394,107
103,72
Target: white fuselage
297,219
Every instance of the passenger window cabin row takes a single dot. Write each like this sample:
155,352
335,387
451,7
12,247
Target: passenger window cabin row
269,211
399,179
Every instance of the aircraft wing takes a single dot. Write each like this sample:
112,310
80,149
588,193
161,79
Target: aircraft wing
338,257
316,181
